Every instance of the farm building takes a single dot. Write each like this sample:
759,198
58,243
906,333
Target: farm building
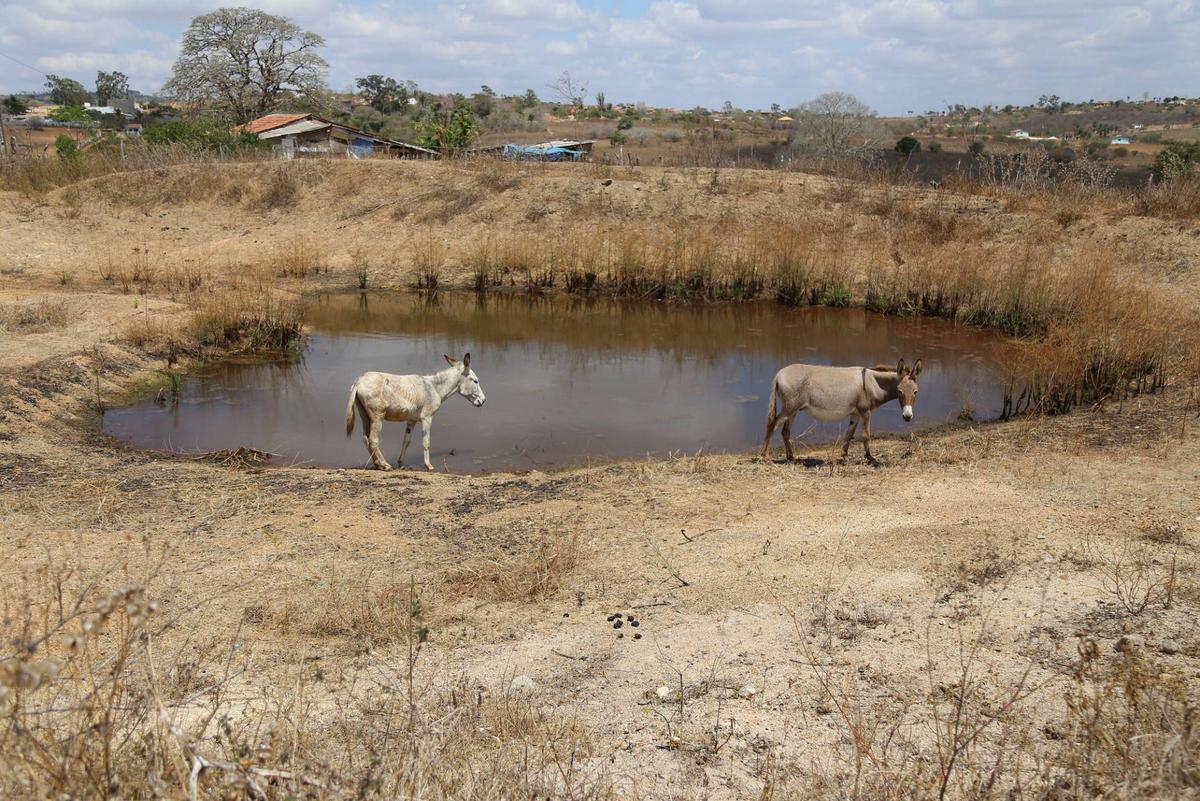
1019,134
1120,140
307,134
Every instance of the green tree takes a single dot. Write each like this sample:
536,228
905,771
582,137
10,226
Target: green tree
907,145
1177,160
69,114
206,133
67,92
449,132
65,147
241,63
384,94
528,100
15,105
483,103
111,86
975,148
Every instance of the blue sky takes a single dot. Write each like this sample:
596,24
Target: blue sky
896,55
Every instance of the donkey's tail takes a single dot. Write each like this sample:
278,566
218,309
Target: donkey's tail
350,409
771,412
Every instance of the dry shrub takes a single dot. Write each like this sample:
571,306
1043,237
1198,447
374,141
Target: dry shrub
247,322
372,610
32,318
533,574
1133,731
451,202
296,258
1177,199
98,701
428,259
279,190
156,335
136,269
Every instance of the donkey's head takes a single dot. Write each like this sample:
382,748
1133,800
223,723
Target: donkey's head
906,390
468,382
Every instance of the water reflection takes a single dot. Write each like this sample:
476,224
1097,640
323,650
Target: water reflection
568,379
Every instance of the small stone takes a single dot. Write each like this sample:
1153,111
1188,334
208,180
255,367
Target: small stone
620,635
618,623
637,636
635,623
749,691
1169,647
522,684
663,693
1128,643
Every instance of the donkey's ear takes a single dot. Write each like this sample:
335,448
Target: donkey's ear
450,361
466,361
916,371
900,368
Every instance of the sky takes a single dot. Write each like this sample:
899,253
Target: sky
895,55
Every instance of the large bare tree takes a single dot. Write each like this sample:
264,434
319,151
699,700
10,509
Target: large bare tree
835,122
243,63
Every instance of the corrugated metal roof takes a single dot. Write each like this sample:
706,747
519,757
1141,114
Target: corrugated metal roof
302,126
271,121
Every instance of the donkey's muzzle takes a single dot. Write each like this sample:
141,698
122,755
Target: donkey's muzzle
907,414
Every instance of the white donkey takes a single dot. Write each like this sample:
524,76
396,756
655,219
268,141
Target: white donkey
410,398
832,393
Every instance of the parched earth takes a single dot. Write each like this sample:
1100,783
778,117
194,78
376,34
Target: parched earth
780,607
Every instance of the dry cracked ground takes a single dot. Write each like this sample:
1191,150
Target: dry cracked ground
930,627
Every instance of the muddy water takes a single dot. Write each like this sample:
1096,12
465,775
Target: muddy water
568,381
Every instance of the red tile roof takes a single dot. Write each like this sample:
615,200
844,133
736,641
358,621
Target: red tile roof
272,121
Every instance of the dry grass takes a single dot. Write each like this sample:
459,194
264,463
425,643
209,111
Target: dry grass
98,701
231,321
33,318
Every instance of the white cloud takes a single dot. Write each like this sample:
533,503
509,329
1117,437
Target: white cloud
895,54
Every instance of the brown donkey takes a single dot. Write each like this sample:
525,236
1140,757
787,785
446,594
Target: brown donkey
833,393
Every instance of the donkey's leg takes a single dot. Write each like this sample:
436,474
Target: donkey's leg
867,438
787,437
373,443
408,427
849,436
426,422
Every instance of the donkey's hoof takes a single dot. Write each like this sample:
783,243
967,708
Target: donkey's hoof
383,467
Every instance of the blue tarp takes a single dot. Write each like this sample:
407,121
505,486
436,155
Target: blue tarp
542,153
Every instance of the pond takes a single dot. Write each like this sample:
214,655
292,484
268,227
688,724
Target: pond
569,381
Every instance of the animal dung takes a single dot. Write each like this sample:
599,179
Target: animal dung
618,621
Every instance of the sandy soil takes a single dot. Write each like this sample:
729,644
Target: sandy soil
786,599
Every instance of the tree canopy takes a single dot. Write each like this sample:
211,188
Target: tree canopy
242,63
66,91
834,122
111,86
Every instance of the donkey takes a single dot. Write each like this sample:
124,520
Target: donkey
410,398
832,393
